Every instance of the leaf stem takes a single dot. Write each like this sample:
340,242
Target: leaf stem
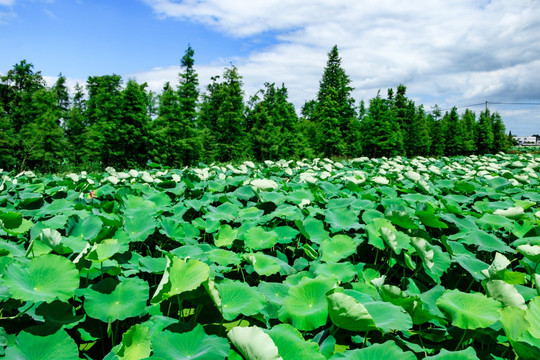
461,340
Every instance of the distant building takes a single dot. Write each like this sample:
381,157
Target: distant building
525,140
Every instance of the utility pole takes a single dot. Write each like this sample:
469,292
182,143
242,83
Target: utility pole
486,106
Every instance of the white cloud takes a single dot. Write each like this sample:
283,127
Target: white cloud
450,53
6,2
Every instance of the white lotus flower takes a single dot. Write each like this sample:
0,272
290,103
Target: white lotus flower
222,176
303,203
176,177
249,164
288,171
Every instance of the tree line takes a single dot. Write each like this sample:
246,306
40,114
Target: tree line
127,126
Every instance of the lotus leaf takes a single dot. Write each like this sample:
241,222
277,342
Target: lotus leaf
180,276
337,248
58,346
194,344
253,343
469,311
239,298
292,346
387,350
44,278
305,305
128,299
136,343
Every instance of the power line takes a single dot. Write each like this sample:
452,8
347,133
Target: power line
486,103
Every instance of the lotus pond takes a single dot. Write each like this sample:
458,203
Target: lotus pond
362,259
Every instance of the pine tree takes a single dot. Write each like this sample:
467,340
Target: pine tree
334,114
500,140
222,118
380,130
418,136
103,113
484,133
468,121
75,127
132,132
453,134
273,128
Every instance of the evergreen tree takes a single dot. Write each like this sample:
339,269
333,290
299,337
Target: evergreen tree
160,127
436,132
103,113
222,118
484,133
404,112
500,140
334,114
468,121
273,126
186,143
453,134
75,127
380,130
8,142
419,139
132,135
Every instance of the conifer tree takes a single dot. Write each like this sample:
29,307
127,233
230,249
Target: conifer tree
500,140
469,137
453,134
132,133
75,127
484,133
222,118
273,126
103,113
380,130
333,115
418,135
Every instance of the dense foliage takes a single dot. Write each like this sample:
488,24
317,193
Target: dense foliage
361,259
112,124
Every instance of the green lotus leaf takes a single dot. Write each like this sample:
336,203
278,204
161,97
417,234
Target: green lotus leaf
128,299
173,229
253,343
485,241
44,278
292,346
429,219
263,264
10,219
275,293
348,313
192,345
139,227
257,238
467,354
225,236
337,248
344,272
224,257
402,219
313,229
342,219
239,298
106,249
516,329
305,305
469,311
387,350
136,343
180,276
533,317
286,234
58,346
386,315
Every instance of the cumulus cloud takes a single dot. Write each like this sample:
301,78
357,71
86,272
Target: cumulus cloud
445,52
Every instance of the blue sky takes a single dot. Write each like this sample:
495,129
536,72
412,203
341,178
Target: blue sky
446,53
